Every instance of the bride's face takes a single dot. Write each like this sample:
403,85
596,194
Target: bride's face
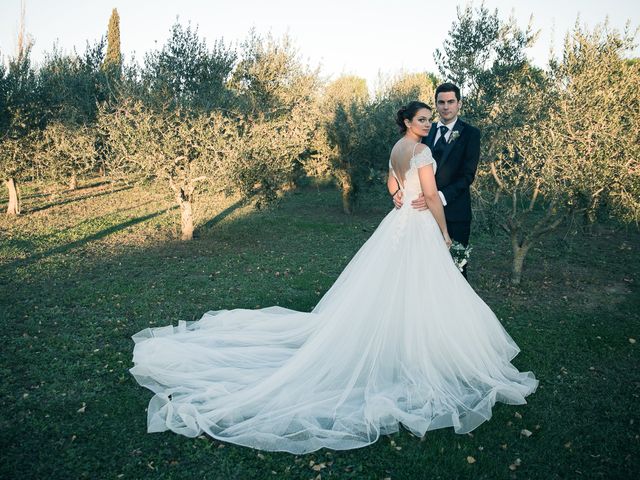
420,124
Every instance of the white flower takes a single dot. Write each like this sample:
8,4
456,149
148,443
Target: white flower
454,135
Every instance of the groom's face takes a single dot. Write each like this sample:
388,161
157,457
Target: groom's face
448,106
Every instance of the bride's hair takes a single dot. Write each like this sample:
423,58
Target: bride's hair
408,111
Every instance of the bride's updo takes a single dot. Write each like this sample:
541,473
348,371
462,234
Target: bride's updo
407,112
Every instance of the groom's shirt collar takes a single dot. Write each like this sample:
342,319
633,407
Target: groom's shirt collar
448,134
449,126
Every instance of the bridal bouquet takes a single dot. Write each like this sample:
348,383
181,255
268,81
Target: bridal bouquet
460,254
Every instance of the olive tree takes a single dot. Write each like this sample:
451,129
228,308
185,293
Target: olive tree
550,148
72,89
175,146
64,152
186,73
275,100
339,140
21,117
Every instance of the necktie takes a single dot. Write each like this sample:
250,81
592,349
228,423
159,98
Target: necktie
438,148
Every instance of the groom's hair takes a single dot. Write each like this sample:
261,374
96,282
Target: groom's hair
448,87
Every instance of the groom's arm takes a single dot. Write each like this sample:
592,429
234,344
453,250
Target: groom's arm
467,172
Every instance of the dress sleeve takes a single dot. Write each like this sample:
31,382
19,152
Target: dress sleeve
423,158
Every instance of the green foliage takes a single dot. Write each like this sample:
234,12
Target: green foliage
21,116
64,152
170,144
186,74
480,50
341,142
73,85
268,153
396,92
270,80
596,153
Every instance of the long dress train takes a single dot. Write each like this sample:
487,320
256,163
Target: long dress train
400,337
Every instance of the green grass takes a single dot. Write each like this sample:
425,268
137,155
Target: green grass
81,272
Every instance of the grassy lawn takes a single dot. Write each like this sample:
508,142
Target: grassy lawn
81,272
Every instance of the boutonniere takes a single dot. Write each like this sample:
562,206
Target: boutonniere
454,135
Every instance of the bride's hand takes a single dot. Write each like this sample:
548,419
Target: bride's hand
397,199
447,240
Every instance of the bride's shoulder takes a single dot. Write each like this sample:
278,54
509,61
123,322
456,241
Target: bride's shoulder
419,148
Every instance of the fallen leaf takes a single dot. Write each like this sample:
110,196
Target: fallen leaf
82,408
515,464
632,341
525,432
518,416
567,445
471,460
504,446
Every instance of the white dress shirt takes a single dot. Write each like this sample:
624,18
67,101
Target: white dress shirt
446,138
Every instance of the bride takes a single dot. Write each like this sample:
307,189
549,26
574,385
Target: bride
399,338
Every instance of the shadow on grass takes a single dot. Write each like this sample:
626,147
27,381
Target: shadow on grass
90,184
222,215
76,199
85,240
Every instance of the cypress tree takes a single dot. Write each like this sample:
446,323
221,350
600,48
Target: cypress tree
113,58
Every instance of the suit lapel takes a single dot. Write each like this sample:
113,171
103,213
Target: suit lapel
459,127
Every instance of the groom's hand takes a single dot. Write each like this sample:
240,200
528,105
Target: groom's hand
420,203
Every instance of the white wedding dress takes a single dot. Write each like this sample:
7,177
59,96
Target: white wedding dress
400,337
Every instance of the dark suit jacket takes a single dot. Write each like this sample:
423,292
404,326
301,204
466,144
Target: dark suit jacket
457,169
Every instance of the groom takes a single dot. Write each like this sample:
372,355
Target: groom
455,146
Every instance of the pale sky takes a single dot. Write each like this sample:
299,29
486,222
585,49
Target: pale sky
341,36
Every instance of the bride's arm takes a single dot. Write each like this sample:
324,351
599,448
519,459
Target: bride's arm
392,184
430,192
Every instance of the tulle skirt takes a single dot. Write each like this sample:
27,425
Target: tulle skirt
400,338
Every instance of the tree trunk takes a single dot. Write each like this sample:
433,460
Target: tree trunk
186,221
519,254
14,201
73,181
347,195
